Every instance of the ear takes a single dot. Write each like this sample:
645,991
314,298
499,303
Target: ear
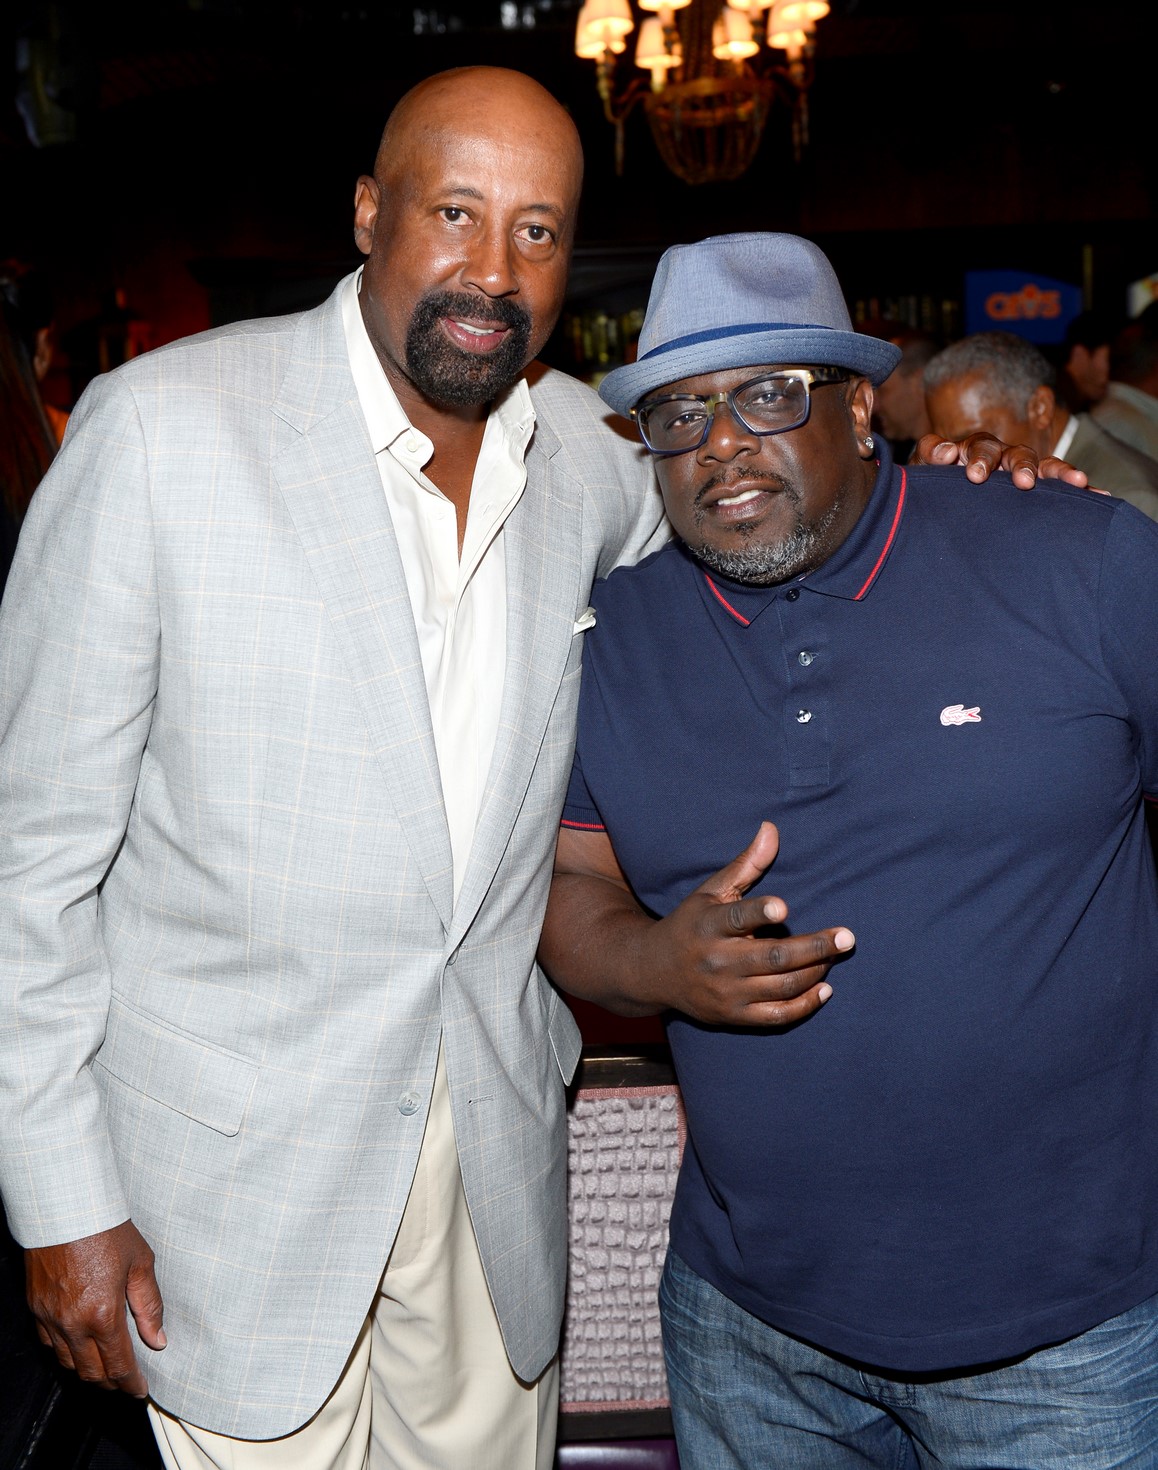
1039,410
42,357
366,198
860,403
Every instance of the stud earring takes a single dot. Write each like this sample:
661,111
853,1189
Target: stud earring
868,441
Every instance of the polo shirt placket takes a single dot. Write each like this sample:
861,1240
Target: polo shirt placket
803,649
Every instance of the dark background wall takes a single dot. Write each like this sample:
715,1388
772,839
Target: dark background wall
208,149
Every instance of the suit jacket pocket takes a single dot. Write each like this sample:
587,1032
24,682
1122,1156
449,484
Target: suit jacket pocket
204,1082
566,1041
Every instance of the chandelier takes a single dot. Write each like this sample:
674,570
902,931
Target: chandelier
714,71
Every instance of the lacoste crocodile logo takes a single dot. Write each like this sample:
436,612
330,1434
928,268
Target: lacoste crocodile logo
957,714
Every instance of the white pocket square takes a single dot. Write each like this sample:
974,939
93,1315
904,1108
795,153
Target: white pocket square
585,620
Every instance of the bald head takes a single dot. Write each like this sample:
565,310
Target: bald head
467,223
490,100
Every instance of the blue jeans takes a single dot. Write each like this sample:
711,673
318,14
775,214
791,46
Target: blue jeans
746,1397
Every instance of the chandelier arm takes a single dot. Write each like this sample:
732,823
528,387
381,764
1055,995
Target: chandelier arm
616,109
793,78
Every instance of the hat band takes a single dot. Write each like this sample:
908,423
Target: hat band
716,334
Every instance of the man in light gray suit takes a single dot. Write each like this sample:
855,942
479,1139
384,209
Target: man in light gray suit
289,663
290,658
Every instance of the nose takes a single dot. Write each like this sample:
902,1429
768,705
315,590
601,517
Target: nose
490,267
727,436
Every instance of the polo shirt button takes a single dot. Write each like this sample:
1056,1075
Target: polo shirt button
803,716
792,594
409,1103
804,657
411,443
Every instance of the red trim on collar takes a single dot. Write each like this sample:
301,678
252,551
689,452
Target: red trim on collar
723,601
869,580
582,826
872,576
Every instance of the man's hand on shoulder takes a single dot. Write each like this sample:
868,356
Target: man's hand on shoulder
78,1293
981,454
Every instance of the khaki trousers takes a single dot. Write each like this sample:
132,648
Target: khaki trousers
428,1385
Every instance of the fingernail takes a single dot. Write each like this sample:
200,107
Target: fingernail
844,939
162,1340
823,993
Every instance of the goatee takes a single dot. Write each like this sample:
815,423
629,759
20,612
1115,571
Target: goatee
445,373
766,563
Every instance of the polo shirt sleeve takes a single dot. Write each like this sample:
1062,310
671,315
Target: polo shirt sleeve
579,810
1128,598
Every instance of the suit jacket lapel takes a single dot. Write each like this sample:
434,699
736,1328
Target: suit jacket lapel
543,543
333,490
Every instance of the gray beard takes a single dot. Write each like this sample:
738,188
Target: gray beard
765,566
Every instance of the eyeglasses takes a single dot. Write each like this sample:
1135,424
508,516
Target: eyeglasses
773,403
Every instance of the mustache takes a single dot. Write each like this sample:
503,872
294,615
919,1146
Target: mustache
729,478
464,306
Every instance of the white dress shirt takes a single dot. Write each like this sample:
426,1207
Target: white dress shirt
459,604
1065,438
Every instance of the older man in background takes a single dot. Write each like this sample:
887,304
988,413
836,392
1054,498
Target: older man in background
1001,382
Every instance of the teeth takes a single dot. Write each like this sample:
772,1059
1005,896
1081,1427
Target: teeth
743,496
477,331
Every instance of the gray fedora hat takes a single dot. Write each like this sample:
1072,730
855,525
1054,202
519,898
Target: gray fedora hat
735,301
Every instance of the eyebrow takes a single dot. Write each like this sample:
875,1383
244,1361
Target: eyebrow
469,192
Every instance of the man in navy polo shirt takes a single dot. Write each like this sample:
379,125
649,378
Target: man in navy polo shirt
919,1227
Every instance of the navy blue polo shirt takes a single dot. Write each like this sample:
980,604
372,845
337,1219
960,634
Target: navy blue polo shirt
952,722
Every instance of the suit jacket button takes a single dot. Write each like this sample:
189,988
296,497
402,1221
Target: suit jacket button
409,1103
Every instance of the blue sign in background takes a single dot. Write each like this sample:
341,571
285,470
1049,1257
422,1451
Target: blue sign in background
1034,306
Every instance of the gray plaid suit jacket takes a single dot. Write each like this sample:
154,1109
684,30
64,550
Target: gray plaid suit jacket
228,947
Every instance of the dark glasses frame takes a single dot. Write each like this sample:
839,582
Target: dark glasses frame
811,377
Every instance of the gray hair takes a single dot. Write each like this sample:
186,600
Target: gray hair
1014,369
